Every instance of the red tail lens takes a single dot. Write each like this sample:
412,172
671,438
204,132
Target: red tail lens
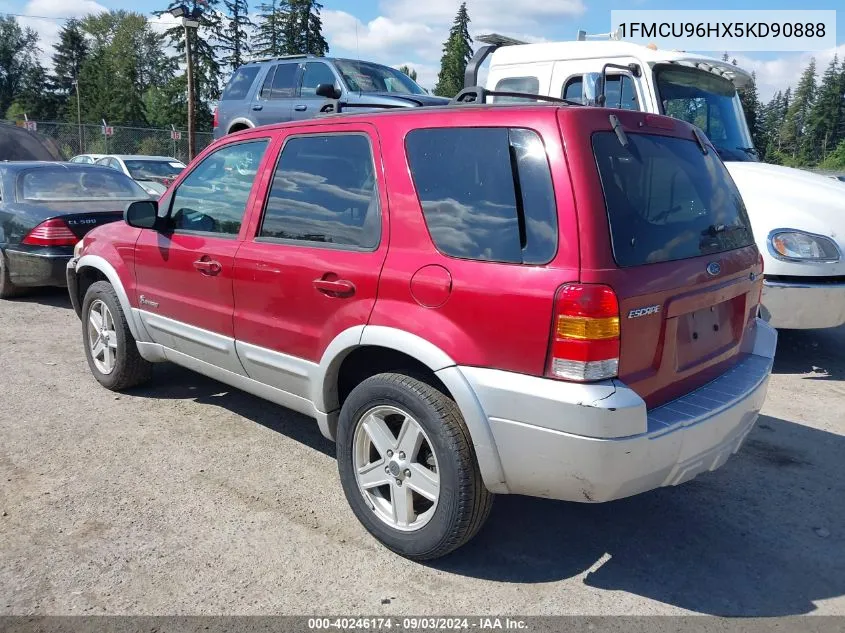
53,232
215,119
585,334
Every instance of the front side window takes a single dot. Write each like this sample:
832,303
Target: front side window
666,200
530,85
213,197
486,193
324,191
316,73
620,92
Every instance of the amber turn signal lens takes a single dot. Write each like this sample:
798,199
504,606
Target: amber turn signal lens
586,328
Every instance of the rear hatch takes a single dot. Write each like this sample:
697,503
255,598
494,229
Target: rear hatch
669,233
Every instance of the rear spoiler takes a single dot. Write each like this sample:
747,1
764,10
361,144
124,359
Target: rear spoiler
491,43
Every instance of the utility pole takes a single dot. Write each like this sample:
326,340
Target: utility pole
189,72
79,118
190,20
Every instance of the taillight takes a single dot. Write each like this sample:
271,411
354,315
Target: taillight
53,232
585,333
214,118
760,261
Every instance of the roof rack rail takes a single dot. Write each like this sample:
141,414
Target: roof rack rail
492,41
337,106
280,57
478,94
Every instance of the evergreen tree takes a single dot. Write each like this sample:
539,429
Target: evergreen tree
823,121
69,54
302,28
269,36
408,71
794,127
234,38
751,107
457,51
18,60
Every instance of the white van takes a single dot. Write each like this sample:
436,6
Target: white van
798,217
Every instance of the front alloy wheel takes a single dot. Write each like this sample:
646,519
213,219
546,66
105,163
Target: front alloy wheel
102,337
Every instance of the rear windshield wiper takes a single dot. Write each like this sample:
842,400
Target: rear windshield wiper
715,229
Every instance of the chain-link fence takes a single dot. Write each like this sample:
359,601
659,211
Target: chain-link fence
73,139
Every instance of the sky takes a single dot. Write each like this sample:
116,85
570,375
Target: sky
412,32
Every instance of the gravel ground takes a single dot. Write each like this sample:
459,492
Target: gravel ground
188,498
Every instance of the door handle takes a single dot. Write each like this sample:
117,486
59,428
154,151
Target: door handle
208,267
257,107
335,288
300,108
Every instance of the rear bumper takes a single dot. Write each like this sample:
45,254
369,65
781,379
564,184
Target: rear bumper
44,267
574,442
803,305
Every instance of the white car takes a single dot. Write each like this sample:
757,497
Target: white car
86,159
798,217
153,173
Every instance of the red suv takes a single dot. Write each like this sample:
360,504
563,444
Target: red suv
547,300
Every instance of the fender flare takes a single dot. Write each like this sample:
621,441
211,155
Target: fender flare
325,397
101,264
240,121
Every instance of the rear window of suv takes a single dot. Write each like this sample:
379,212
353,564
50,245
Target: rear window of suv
486,193
666,200
240,84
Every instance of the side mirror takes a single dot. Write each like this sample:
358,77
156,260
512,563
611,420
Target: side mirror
591,88
142,214
329,91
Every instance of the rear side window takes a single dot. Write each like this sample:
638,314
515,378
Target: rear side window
283,81
324,191
666,200
486,193
240,83
530,85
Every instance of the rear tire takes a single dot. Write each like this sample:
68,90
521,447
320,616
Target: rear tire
7,288
408,467
110,348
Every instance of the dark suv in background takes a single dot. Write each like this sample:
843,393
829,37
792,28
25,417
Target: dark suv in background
285,89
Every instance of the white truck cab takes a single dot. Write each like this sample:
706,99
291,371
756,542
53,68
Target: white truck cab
798,217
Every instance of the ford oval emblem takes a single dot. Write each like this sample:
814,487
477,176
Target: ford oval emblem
714,268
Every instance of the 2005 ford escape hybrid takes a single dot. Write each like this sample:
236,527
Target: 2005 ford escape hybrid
531,299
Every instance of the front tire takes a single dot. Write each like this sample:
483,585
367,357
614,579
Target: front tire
109,345
408,467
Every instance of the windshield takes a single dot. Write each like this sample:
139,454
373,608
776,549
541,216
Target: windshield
711,103
150,169
81,183
666,200
369,77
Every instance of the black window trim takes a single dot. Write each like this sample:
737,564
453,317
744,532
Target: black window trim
222,236
485,127
312,244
